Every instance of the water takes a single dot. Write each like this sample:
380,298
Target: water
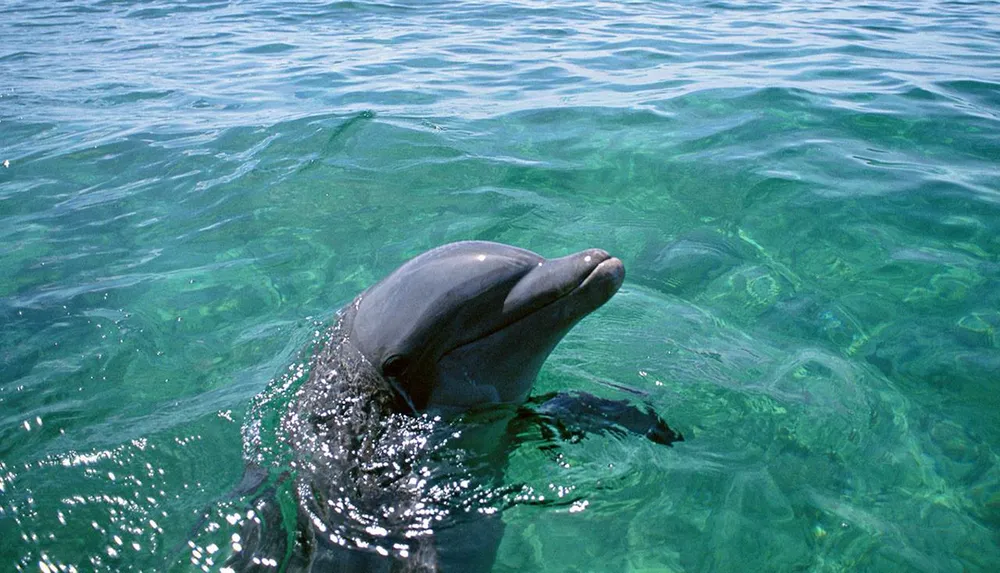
805,195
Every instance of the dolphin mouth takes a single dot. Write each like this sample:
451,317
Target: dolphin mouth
610,269
594,277
553,279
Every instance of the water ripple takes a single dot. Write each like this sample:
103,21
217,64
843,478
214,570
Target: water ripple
806,196
613,54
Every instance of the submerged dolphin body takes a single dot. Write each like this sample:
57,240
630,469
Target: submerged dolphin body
459,328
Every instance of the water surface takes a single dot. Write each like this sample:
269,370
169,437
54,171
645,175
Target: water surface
805,195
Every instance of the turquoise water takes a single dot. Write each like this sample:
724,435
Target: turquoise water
806,196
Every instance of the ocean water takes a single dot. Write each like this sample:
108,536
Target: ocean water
806,196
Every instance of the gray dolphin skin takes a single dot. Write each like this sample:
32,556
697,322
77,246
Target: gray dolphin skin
461,328
471,323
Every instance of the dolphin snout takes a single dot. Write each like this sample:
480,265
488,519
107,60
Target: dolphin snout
606,278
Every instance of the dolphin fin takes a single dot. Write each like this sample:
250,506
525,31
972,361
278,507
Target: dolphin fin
572,415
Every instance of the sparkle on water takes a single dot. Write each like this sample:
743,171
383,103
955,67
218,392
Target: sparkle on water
805,196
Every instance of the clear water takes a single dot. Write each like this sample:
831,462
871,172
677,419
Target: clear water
806,196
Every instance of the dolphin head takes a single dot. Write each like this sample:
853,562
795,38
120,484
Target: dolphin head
471,323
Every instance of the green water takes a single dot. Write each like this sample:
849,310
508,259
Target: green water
806,197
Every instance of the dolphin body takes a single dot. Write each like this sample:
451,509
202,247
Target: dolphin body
378,485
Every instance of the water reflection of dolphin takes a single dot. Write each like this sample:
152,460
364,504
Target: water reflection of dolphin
461,328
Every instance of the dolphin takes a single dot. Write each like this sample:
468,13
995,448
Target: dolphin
462,328
471,323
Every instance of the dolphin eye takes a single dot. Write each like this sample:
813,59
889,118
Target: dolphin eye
394,366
